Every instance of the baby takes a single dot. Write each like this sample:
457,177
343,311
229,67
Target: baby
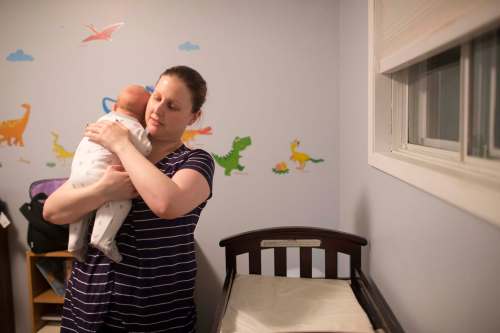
89,164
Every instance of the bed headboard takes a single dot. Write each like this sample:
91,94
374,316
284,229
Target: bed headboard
305,238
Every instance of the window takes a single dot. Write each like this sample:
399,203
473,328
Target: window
434,101
443,118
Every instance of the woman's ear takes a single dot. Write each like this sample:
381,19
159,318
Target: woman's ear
195,117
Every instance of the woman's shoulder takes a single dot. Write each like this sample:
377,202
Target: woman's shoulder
199,152
185,155
199,155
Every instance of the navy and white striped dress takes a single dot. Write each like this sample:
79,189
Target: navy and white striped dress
151,290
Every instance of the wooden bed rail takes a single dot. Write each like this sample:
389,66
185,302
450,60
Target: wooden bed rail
374,304
305,238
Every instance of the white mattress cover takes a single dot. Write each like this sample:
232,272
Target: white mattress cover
260,304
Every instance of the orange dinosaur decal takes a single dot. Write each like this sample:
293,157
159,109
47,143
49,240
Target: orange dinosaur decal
189,135
11,131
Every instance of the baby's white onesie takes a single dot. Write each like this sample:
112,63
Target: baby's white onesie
89,164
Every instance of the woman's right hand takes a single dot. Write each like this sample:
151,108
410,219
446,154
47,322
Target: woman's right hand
115,184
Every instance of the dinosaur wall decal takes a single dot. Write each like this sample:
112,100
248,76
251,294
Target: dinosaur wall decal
190,134
61,153
11,131
231,161
104,34
107,108
301,158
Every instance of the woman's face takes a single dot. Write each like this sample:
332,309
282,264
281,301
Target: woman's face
169,109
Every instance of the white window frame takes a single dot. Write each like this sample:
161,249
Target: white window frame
494,151
470,183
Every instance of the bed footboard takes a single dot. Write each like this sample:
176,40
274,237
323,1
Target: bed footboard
306,238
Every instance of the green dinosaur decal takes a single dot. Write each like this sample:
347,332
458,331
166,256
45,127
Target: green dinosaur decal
231,161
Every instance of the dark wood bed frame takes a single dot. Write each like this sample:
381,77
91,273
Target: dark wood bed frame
306,239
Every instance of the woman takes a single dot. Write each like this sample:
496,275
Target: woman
151,289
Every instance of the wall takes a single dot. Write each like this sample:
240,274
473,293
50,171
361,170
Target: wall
436,265
272,73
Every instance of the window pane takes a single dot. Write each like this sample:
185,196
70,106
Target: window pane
416,99
484,140
434,101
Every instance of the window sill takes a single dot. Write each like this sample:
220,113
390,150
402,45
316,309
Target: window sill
479,195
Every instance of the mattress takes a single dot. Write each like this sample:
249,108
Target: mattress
283,304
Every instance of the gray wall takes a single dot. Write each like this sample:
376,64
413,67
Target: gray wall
438,266
277,70
272,73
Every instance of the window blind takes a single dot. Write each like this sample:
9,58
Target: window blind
407,31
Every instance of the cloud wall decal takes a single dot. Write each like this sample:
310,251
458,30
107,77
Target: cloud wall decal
19,55
188,46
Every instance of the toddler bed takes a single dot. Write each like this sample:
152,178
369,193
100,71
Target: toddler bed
254,303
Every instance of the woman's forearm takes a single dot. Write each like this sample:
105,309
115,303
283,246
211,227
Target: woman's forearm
158,191
68,205
155,188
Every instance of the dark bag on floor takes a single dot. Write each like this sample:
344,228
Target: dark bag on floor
43,236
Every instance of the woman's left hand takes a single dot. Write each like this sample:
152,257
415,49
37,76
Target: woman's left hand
109,134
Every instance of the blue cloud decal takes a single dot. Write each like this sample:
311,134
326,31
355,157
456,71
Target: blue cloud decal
188,46
19,55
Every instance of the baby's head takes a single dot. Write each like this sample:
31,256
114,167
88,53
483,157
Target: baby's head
132,101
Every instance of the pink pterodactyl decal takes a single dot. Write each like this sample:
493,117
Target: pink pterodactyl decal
104,34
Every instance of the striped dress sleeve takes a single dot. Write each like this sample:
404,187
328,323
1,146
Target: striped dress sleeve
202,162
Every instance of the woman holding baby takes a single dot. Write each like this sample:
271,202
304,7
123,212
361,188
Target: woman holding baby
151,289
